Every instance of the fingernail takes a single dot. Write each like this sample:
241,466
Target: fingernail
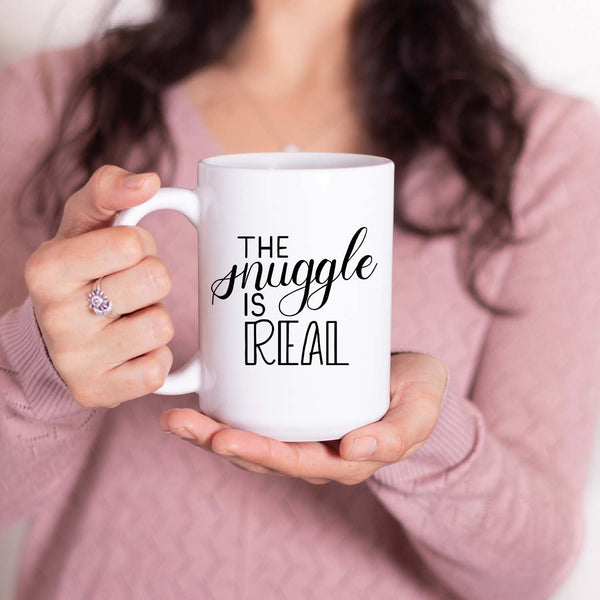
184,433
134,181
363,447
224,452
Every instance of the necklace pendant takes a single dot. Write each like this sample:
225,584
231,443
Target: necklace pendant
291,148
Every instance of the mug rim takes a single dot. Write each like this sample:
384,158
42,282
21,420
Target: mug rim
264,161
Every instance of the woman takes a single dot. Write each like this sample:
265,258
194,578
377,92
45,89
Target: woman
471,485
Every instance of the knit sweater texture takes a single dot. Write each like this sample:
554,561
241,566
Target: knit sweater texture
489,508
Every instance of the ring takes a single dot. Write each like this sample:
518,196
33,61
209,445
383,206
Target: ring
98,302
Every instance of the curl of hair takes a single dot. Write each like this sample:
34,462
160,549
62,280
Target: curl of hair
428,74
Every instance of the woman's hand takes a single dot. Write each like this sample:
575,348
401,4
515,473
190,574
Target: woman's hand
417,385
104,361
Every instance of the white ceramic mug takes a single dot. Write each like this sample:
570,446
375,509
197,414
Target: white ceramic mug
295,263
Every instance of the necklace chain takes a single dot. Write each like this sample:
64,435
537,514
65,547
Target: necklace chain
269,126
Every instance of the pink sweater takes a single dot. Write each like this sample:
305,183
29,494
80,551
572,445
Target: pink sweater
488,508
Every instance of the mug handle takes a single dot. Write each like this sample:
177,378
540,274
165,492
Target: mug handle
187,202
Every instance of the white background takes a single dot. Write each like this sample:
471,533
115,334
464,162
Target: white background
558,41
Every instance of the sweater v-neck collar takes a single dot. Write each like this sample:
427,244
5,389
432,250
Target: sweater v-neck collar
189,123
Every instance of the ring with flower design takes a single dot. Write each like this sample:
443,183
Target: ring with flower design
98,302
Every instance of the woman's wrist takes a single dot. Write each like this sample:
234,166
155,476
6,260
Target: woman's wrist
45,392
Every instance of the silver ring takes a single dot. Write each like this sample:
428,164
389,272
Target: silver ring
98,302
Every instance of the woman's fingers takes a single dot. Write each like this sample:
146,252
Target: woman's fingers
312,461
199,429
305,460
246,465
133,335
390,439
103,361
109,190
142,285
133,379
192,425
61,267
417,387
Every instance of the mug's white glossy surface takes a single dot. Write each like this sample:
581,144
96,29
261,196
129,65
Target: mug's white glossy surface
287,360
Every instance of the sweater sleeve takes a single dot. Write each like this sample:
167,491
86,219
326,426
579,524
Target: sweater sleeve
492,501
44,433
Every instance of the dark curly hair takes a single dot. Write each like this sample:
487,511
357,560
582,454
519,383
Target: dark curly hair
428,74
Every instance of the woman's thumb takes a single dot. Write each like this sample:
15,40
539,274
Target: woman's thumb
109,190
